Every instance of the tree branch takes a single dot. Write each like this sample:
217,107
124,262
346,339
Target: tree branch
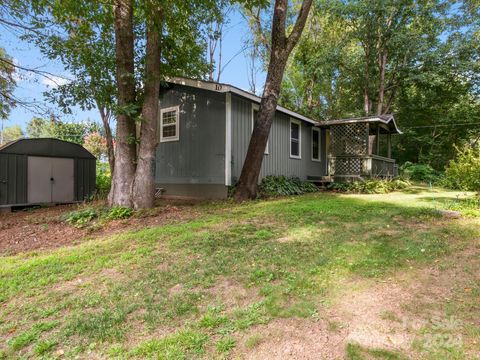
299,25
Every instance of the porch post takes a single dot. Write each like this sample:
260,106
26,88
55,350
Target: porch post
389,145
378,140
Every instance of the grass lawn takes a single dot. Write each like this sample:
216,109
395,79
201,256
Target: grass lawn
321,276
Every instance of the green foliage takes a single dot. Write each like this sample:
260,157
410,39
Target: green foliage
80,218
119,212
419,172
73,132
103,180
282,186
12,133
469,206
371,186
431,72
7,84
83,217
464,172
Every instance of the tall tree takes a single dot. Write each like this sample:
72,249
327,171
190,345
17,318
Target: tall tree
11,133
280,49
123,176
7,85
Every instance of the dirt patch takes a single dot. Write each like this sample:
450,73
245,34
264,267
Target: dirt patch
383,314
233,294
43,228
292,339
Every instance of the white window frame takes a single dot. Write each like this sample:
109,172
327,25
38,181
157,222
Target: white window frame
177,124
317,130
256,107
299,123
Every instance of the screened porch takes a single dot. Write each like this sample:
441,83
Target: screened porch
361,148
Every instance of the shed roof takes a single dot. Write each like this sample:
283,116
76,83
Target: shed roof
225,88
387,120
46,147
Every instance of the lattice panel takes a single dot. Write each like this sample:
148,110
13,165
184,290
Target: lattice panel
346,166
349,139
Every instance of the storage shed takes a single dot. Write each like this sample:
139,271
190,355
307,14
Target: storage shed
42,171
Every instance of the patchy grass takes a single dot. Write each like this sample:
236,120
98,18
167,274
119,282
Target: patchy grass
194,289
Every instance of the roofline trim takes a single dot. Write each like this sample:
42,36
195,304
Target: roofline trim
384,119
225,88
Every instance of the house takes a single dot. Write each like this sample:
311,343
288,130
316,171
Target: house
204,130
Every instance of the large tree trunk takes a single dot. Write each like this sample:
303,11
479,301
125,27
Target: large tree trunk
144,185
281,48
125,152
247,184
382,63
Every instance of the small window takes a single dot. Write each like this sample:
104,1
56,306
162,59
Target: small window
255,108
169,124
295,139
315,144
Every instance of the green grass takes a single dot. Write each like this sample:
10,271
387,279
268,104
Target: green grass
289,254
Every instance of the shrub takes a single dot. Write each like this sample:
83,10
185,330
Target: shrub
419,172
282,186
103,180
80,218
119,212
463,173
371,186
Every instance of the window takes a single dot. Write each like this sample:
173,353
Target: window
255,108
169,124
295,139
315,144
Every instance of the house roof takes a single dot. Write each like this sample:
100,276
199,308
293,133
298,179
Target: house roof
226,88
387,120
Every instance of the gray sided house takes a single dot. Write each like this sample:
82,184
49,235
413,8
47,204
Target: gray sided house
204,130
40,171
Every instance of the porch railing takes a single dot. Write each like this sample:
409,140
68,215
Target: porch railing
354,166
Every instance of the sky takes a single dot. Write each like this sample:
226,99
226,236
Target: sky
30,87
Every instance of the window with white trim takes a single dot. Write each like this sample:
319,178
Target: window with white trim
295,139
315,144
255,108
169,124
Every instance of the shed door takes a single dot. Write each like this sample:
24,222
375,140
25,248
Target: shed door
50,180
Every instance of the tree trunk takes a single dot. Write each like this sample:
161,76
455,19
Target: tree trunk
366,75
124,170
281,48
144,185
382,62
247,183
105,115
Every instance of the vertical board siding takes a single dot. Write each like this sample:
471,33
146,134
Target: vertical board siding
198,157
277,161
13,179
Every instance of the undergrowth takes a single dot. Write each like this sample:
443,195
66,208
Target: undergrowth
371,186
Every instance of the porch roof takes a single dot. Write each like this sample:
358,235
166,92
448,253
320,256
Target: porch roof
388,122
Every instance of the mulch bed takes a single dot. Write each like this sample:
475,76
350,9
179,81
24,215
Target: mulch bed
43,228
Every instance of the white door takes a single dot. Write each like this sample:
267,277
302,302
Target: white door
50,180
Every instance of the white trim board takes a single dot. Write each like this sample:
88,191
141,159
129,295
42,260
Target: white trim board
225,88
228,139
